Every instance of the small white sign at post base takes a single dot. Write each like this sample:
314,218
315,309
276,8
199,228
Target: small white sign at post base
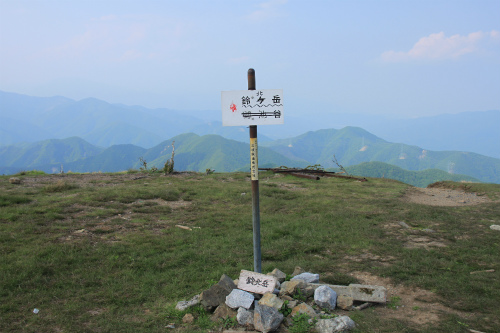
256,282
252,107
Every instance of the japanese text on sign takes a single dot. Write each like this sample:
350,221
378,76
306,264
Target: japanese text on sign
252,107
254,159
256,282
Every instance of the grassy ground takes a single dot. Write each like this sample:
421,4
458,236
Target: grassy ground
102,253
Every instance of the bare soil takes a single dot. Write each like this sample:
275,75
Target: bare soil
415,305
443,197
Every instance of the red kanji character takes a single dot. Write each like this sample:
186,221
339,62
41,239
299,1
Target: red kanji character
233,107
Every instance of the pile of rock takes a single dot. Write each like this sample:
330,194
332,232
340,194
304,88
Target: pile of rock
256,309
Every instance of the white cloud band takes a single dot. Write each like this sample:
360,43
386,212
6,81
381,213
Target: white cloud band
437,47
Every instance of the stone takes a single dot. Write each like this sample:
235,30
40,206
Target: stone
290,287
226,282
271,300
216,295
279,275
239,299
183,305
291,304
256,282
223,311
404,225
245,317
304,308
338,324
14,180
298,270
359,292
325,297
340,290
307,277
188,318
495,227
368,293
308,291
345,302
266,318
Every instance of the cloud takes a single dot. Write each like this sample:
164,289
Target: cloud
438,47
267,10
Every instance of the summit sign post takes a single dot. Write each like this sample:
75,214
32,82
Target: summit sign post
253,107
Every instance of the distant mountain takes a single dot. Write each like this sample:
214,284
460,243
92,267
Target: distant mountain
415,178
30,119
467,131
198,153
17,114
192,152
130,130
112,159
352,145
28,156
238,133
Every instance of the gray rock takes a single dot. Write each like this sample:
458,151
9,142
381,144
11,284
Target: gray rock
298,270
183,305
308,291
290,287
359,292
15,180
216,295
495,227
271,300
339,324
226,282
304,308
368,293
223,311
325,297
307,277
404,225
239,299
266,318
279,275
345,302
292,304
188,318
340,290
245,317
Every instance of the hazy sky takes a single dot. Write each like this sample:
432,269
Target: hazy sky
399,58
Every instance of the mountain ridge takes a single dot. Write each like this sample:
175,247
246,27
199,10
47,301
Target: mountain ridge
349,146
22,119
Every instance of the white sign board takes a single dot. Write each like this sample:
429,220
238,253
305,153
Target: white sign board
256,282
252,107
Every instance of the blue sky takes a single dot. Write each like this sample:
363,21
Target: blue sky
395,58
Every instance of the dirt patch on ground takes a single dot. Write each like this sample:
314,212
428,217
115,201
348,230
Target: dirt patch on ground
415,237
374,259
416,305
443,197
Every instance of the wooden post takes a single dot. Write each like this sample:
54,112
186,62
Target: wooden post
254,171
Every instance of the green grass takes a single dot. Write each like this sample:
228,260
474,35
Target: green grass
106,256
